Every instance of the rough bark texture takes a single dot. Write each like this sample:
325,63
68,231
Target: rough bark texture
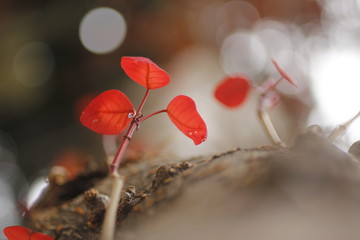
309,191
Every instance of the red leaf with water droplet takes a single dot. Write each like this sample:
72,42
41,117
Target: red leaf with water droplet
108,113
182,112
232,91
283,73
145,72
23,233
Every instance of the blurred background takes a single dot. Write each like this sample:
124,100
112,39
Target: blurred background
57,55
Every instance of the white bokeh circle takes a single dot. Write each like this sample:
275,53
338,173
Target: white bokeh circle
102,30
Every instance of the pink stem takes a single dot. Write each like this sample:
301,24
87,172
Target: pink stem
143,101
152,114
277,82
265,118
267,86
114,167
272,86
121,150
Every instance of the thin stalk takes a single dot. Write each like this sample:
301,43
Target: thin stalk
267,86
114,167
270,129
264,115
152,114
108,227
143,101
342,128
275,84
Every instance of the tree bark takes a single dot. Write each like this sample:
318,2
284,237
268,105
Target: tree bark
309,191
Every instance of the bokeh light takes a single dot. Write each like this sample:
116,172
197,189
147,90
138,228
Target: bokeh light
8,214
334,72
243,52
35,191
335,79
10,178
276,40
102,30
234,15
34,64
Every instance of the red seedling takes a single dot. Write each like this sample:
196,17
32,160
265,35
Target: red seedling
23,233
233,91
111,112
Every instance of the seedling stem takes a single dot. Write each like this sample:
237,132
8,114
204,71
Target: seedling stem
269,128
108,228
337,132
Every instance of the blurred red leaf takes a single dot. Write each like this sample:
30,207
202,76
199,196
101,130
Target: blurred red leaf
108,113
283,73
145,72
182,112
67,165
232,91
23,233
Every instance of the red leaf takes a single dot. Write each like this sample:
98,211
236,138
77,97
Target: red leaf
108,113
23,233
283,73
232,91
145,72
182,112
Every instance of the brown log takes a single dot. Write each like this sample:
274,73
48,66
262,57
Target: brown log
309,191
